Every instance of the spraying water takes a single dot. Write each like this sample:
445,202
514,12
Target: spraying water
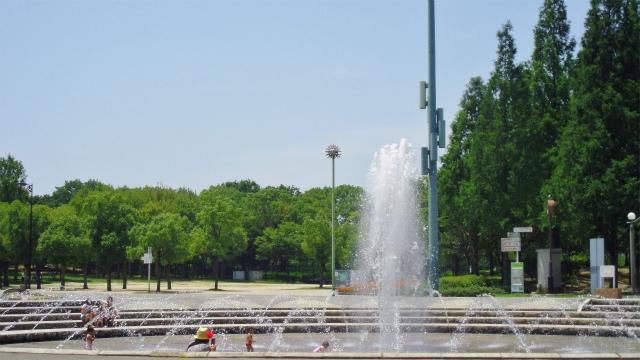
390,258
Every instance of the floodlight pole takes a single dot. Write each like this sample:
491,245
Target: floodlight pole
633,270
436,139
333,234
333,152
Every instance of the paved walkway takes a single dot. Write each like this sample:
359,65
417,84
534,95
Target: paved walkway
121,355
248,295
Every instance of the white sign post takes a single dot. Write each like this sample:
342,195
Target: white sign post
148,259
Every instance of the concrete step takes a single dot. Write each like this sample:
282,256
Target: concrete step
63,324
611,308
43,314
15,336
627,301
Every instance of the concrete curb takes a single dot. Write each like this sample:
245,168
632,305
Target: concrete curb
330,355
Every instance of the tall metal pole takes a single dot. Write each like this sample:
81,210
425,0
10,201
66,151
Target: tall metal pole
434,241
333,152
632,258
27,277
633,270
333,217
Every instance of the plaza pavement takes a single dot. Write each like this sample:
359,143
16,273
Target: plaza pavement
277,295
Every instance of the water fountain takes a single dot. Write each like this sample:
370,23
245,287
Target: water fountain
390,253
397,314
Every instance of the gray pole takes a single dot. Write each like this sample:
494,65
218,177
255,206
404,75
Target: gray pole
333,152
632,256
434,242
27,277
333,216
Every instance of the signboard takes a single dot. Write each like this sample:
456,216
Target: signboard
525,229
607,271
517,277
513,234
147,258
342,278
509,244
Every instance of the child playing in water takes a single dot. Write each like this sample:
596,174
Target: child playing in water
323,347
249,340
87,313
89,336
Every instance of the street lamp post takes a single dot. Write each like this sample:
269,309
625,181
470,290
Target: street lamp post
333,152
551,206
633,271
27,277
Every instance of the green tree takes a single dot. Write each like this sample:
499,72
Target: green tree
551,66
12,173
458,218
168,236
220,232
316,244
6,253
109,220
267,208
597,167
65,240
277,246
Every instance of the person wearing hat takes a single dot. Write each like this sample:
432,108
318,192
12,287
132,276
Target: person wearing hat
204,340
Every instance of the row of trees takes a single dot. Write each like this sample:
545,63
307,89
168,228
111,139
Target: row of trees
235,225
555,125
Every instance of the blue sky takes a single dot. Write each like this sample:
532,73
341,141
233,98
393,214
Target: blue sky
194,93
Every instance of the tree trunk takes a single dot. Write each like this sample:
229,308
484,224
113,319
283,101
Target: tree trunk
475,258
15,273
216,271
38,276
125,273
63,268
491,264
86,274
158,273
505,271
322,269
168,276
5,274
109,278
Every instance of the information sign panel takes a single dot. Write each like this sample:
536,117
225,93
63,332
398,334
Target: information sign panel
510,244
517,277
523,229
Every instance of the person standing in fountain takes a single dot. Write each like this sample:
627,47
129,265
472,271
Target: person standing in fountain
322,348
201,341
249,340
89,336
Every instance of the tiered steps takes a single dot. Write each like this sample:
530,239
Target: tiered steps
22,321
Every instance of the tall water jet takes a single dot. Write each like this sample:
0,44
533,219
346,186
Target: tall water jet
390,257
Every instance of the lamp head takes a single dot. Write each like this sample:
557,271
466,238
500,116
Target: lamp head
631,216
333,151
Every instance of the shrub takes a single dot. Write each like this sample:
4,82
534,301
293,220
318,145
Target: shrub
466,285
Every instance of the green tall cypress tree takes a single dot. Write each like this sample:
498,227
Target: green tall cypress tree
597,167
458,218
